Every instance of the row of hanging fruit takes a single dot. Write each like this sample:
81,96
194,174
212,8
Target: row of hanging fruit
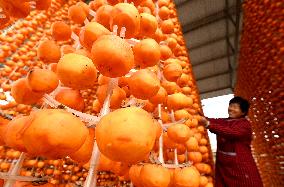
263,29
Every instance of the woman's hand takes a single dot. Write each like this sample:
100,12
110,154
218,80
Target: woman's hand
204,121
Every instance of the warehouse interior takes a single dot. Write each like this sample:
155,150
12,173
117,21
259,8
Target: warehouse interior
212,31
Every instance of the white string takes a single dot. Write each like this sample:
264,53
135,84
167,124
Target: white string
161,148
14,170
93,13
122,32
132,41
91,178
90,119
86,21
114,30
167,125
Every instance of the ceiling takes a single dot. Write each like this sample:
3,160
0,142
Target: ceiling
212,31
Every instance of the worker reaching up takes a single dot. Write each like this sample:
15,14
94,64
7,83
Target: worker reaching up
235,166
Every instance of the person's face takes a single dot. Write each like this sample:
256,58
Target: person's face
235,111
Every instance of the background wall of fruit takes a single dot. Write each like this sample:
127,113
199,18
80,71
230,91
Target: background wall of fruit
260,79
85,72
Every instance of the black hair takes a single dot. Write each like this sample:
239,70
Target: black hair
244,104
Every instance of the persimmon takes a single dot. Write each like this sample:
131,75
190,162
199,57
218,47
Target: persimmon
178,101
71,98
104,163
203,181
160,97
167,26
77,14
164,12
205,157
186,177
210,184
134,174
144,10
179,133
195,157
149,4
165,52
49,52
198,136
120,168
180,148
172,72
203,141
42,80
148,25
76,30
84,153
122,58
147,53
43,4
170,155
203,149
103,79
50,134
181,158
126,15
159,129
183,79
123,81
192,122
154,175
52,67
159,36
23,94
172,43
168,142
181,114
103,15
192,144
61,31
3,124
18,9
171,87
118,136
162,3
144,84
165,117
12,136
76,71
5,19
149,107
203,168
95,5
90,33
135,2
113,2
84,6
117,96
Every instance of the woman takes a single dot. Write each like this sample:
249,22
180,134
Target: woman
235,166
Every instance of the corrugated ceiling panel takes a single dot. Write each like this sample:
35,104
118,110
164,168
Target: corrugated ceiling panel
177,2
207,33
217,93
214,83
196,9
208,52
211,68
